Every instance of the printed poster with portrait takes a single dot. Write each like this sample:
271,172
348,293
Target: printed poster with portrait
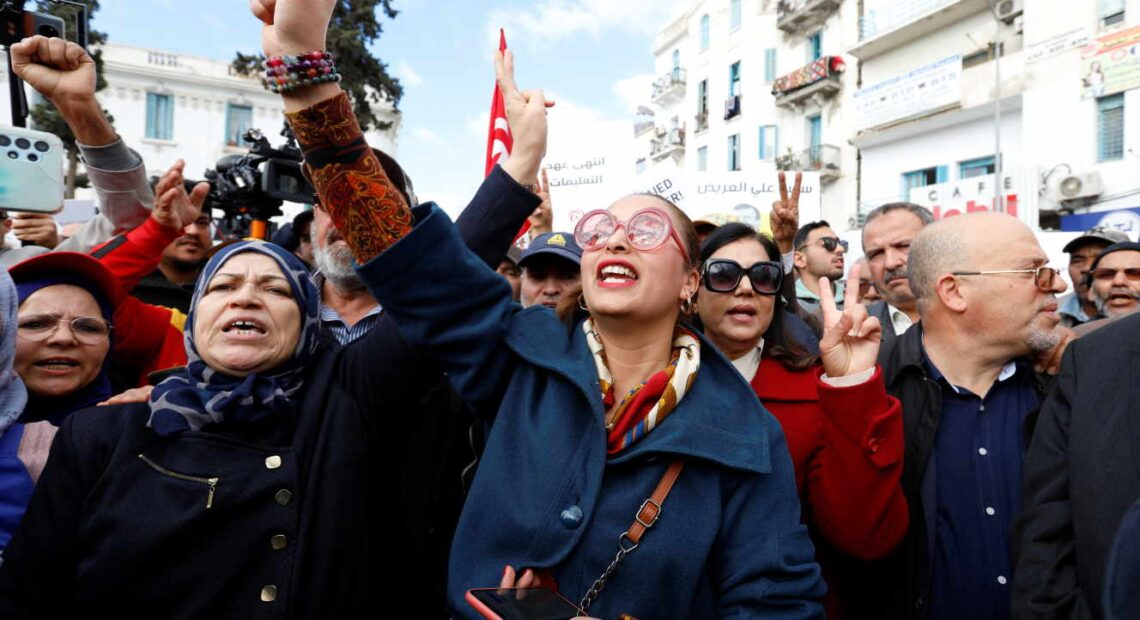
1111,64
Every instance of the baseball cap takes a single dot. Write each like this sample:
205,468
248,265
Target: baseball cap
556,243
1097,234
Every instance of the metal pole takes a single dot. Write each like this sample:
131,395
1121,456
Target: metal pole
998,177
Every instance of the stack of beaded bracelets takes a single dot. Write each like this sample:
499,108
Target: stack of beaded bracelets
288,73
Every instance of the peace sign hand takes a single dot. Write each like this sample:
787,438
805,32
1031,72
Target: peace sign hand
785,217
526,115
851,338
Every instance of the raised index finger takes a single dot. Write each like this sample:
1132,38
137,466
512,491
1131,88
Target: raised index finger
826,302
783,188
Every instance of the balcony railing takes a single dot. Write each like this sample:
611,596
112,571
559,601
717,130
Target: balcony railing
668,142
641,127
732,107
797,15
823,159
817,80
669,85
902,21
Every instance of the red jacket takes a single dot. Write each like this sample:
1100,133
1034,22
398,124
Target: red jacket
847,448
146,337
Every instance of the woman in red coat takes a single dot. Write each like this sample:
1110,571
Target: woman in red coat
844,433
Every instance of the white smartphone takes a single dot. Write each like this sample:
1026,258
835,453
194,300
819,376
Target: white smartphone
31,170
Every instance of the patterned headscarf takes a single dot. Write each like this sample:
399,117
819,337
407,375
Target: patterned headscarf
201,395
13,394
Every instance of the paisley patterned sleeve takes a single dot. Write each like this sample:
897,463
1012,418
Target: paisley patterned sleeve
364,205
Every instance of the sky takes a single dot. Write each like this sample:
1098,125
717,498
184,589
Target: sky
592,57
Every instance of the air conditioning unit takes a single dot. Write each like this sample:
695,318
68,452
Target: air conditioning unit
1079,188
1008,10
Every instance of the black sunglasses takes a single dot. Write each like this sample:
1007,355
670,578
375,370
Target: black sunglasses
722,275
829,244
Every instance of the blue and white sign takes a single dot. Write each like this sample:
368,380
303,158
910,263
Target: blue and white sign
927,89
1126,220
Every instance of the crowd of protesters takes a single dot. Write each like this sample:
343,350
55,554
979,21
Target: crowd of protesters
382,409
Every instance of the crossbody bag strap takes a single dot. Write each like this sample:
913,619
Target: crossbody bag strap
630,539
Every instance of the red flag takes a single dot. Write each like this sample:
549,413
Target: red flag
499,133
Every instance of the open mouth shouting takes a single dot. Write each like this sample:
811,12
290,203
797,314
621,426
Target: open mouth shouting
245,328
616,274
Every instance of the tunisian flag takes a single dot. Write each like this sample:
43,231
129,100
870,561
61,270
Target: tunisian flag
499,141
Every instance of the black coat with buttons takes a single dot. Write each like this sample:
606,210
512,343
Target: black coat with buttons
898,586
289,518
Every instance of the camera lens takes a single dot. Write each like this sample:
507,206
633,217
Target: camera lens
48,31
33,157
42,146
23,143
5,140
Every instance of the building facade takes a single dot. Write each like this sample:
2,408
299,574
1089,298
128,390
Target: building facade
960,105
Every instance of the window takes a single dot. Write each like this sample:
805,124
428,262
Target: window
702,105
976,167
1110,127
815,46
704,32
734,14
734,152
640,165
734,79
159,116
703,158
768,142
239,118
1111,12
815,131
922,178
770,64
676,61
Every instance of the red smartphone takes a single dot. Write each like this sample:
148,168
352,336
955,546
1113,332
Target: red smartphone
521,604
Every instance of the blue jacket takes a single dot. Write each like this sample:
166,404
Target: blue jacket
729,542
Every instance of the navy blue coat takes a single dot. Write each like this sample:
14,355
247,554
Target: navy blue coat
729,542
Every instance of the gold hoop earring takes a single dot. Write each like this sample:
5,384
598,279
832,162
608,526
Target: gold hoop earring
582,303
687,306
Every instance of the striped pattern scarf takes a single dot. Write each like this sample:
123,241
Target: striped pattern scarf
648,404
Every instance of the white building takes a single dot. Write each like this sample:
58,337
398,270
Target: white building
174,106
711,103
815,80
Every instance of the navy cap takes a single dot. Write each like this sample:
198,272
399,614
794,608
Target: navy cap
1126,246
555,243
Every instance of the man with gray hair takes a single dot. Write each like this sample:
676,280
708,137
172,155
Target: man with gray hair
888,233
964,378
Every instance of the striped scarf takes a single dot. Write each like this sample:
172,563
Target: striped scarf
648,404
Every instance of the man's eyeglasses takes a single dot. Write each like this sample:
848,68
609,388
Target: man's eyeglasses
828,243
722,275
1043,277
86,329
646,230
864,286
1108,273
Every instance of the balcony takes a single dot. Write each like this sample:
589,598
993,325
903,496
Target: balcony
904,21
793,16
815,82
669,87
732,107
640,127
667,143
823,159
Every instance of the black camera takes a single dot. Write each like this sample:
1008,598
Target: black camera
254,185
17,24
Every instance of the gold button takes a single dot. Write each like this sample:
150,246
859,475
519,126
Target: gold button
269,594
272,462
283,497
277,542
